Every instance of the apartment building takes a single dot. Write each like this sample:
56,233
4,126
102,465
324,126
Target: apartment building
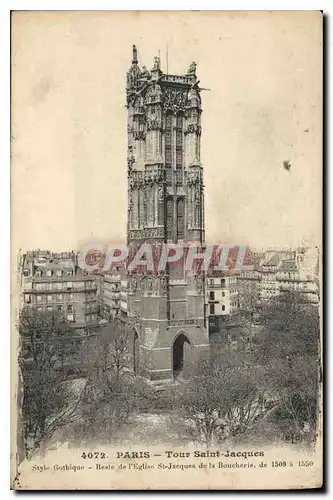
279,272
52,282
113,293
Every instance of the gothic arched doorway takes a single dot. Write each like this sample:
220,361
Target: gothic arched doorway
135,353
180,356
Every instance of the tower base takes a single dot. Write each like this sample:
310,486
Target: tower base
177,353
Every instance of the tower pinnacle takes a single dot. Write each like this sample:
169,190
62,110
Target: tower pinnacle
135,55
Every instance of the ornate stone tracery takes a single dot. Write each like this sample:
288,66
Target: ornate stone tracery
139,135
194,177
153,94
175,99
153,124
193,129
136,179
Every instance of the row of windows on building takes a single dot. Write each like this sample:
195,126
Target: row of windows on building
219,281
250,275
212,294
60,285
113,287
59,297
50,272
297,286
69,310
291,286
269,293
271,285
233,306
280,275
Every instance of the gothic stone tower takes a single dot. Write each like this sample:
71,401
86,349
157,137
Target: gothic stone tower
165,204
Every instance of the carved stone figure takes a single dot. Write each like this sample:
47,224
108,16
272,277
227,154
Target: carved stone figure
145,197
130,163
194,178
152,124
140,136
155,285
157,63
162,285
192,69
190,128
200,284
145,73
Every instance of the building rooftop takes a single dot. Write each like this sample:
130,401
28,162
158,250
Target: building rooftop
273,261
288,266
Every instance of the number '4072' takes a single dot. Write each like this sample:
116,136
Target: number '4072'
93,454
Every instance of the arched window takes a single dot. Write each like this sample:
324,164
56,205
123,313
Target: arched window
160,206
179,141
139,208
153,143
197,148
169,222
135,214
153,205
179,149
180,219
168,148
145,208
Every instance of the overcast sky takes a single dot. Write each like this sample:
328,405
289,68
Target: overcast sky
69,169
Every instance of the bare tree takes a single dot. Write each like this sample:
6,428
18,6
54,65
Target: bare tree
289,349
116,343
222,401
49,402
113,393
107,407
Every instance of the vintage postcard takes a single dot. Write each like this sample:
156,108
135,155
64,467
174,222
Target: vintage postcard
166,250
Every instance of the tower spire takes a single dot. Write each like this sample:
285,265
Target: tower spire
135,55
